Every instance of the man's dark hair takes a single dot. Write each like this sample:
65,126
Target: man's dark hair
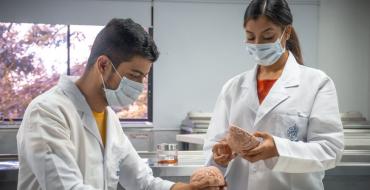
121,40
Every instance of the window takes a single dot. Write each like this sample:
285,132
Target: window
33,56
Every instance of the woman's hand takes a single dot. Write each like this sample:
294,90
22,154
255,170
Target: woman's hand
222,153
263,151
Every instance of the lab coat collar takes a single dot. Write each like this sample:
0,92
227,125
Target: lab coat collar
70,89
277,94
290,75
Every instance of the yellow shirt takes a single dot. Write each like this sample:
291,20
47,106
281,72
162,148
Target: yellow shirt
100,118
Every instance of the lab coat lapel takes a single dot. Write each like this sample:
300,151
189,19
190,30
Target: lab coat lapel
90,125
276,96
278,93
115,147
249,84
70,89
111,136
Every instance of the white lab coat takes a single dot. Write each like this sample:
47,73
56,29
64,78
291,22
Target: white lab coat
300,111
59,147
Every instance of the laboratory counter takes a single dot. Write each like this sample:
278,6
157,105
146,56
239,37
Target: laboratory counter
353,172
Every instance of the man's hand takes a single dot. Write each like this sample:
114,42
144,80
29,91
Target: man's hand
222,153
265,150
202,185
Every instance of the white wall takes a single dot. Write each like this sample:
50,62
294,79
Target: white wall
344,44
94,12
202,46
201,42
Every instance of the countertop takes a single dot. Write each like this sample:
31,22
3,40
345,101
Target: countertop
353,163
352,138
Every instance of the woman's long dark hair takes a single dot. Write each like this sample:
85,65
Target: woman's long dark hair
278,12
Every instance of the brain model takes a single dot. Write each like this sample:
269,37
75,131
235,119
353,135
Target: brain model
240,140
210,173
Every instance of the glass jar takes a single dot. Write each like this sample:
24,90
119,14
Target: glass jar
167,153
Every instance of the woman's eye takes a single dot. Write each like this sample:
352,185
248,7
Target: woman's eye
269,38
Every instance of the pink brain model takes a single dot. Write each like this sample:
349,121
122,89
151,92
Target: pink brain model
208,173
240,140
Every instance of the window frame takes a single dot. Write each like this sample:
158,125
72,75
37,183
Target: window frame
68,73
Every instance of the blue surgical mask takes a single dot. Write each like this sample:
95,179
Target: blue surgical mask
266,54
127,92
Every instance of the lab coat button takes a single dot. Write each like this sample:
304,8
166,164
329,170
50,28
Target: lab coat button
254,169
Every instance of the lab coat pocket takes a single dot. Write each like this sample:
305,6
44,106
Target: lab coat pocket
292,125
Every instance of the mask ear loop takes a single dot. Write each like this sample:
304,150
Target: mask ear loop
101,76
116,70
102,79
282,38
104,88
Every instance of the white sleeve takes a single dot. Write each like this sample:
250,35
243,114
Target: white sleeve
217,130
46,146
135,174
324,145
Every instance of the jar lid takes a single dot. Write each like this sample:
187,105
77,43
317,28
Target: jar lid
166,147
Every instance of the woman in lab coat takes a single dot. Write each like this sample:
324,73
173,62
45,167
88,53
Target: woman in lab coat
71,139
293,108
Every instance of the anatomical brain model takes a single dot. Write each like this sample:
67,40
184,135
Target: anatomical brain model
205,173
240,140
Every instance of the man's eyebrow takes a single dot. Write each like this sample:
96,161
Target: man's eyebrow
137,71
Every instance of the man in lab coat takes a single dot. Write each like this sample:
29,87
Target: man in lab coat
70,138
